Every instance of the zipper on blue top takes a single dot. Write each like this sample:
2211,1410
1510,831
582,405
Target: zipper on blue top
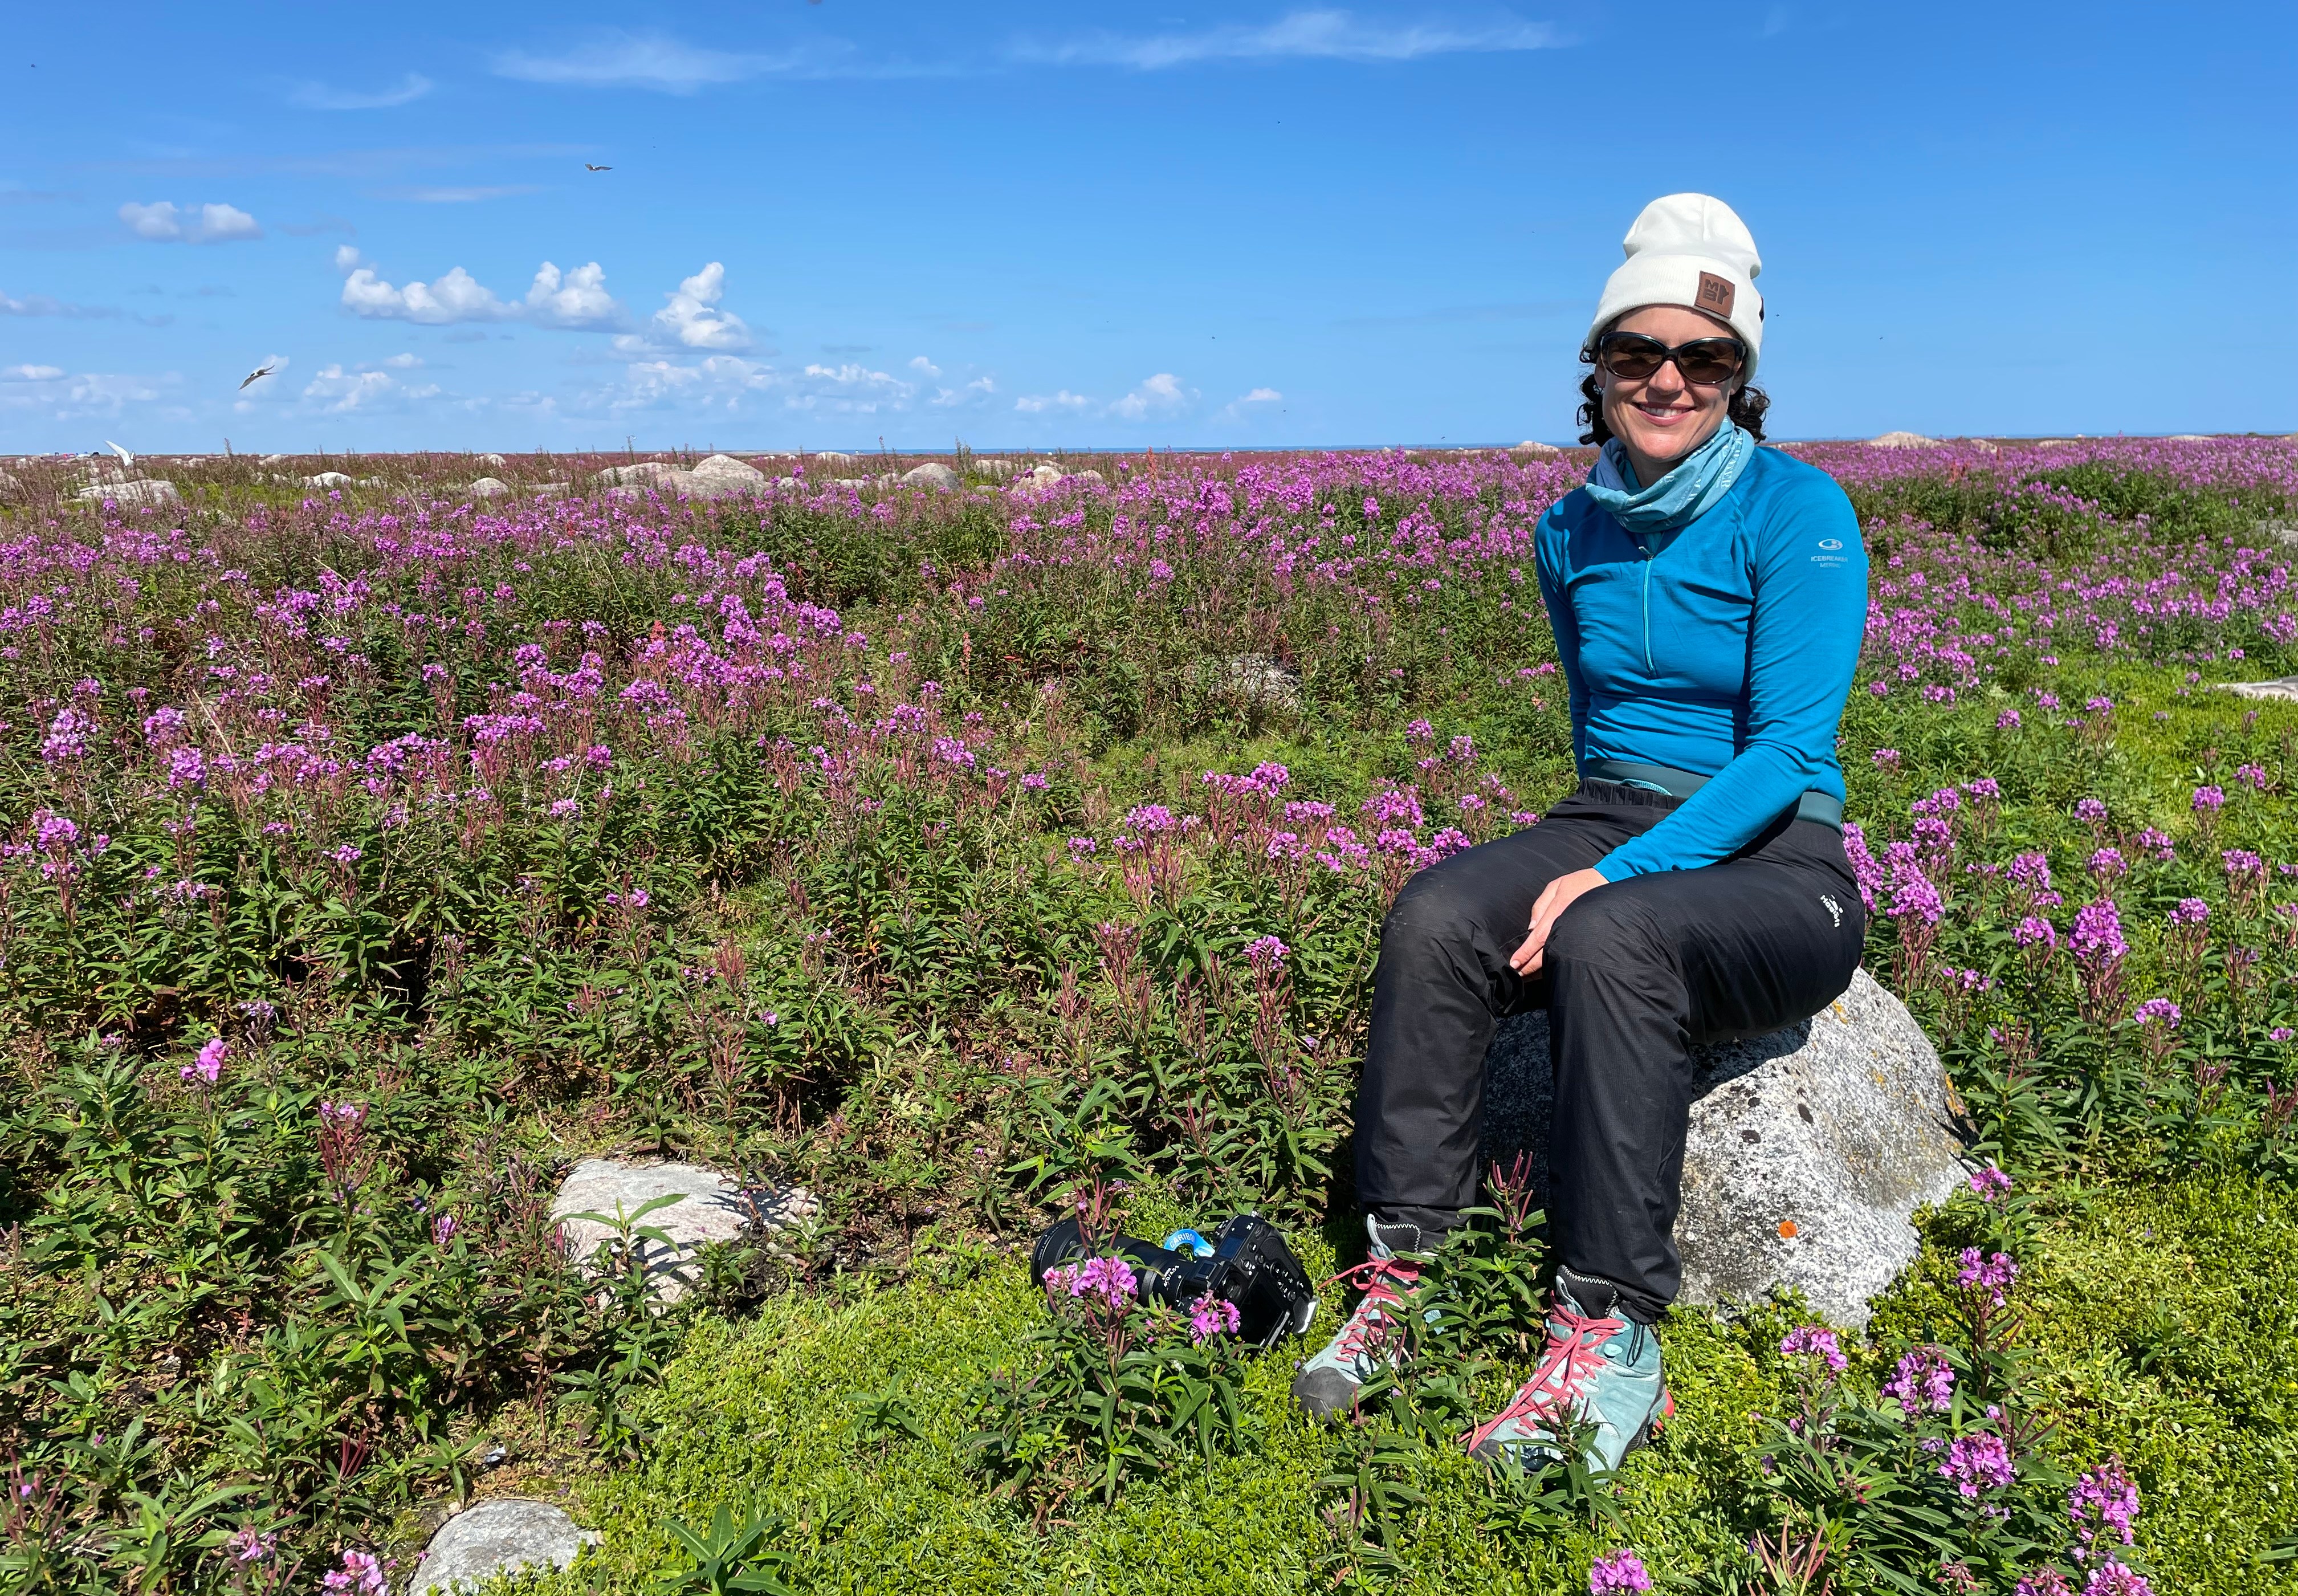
1648,565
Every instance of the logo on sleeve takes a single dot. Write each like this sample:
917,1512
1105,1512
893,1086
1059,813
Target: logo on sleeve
1830,543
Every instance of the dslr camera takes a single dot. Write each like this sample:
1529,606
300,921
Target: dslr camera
1245,1263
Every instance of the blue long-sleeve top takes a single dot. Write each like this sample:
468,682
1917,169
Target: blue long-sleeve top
1724,647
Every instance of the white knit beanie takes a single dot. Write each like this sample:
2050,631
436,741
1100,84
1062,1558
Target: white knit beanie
1689,250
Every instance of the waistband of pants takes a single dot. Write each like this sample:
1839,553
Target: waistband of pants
1823,809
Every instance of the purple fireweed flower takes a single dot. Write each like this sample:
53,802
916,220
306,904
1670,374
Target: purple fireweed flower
2098,937
1082,846
442,1229
2089,811
2242,862
363,1573
1617,1574
1990,1184
2281,1033
2158,844
2189,911
346,855
1211,1315
1991,1276
1884,759
2208,800
2045,1582
1107,1283
1978,1462
2159,1010
1923,1382
1815,1341
2111,1578
248,1544
566,808
2104,1500
1918,898
2107,863
2008,721
2033,932
208,1068
1267,954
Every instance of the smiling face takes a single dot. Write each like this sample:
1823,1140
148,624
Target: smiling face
1663,419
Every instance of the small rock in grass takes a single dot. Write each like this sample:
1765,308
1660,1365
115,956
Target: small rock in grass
711,1207
489,487
500,1535
1903,441
933,474
2280,687
490,459
330,479
1264,679
833,457
1043,476
1532,446
996,470
1809,1149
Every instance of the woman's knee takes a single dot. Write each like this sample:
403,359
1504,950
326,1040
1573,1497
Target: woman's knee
1611,925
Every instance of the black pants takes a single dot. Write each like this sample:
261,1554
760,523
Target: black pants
1636,972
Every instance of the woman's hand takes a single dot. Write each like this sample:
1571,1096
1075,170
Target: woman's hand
1562,893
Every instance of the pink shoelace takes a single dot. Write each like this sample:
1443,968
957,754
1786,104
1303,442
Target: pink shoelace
1366,1333
1572,1358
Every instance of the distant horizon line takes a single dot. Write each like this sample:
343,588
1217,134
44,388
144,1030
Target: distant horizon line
1137,449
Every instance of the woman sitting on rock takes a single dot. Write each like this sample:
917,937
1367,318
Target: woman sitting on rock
1708,599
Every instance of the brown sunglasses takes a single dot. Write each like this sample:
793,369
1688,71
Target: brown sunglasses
1632,356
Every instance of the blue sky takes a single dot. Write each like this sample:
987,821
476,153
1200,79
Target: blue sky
1035,225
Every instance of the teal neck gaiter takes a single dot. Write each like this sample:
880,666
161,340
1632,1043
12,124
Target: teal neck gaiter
1682,496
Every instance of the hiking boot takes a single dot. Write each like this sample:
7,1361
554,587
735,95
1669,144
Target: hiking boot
1601,1370
1365,1345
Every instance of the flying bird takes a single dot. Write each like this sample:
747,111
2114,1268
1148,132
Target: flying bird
126,459
261,371
589,168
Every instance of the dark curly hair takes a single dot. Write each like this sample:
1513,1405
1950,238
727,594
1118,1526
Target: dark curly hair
1746,412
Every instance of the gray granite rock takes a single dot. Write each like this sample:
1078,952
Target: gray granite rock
1264,679
638,472
1043,476
725,467
140,491
488,487
500,1535
1810,1149
834,457
933,474
1903,440
329,479
490,459
2280,687
711,1207
1532,446
996,470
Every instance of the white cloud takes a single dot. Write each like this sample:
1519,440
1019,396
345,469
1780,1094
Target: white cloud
108,393
1315,35
336,390
29,374
1235,409
163,222
656,60
979,391
577,299
1035,404
924,367
457,296
1160,395
692,317
403,361
319,96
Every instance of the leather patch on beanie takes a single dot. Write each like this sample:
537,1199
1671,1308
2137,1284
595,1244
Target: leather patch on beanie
1715,294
